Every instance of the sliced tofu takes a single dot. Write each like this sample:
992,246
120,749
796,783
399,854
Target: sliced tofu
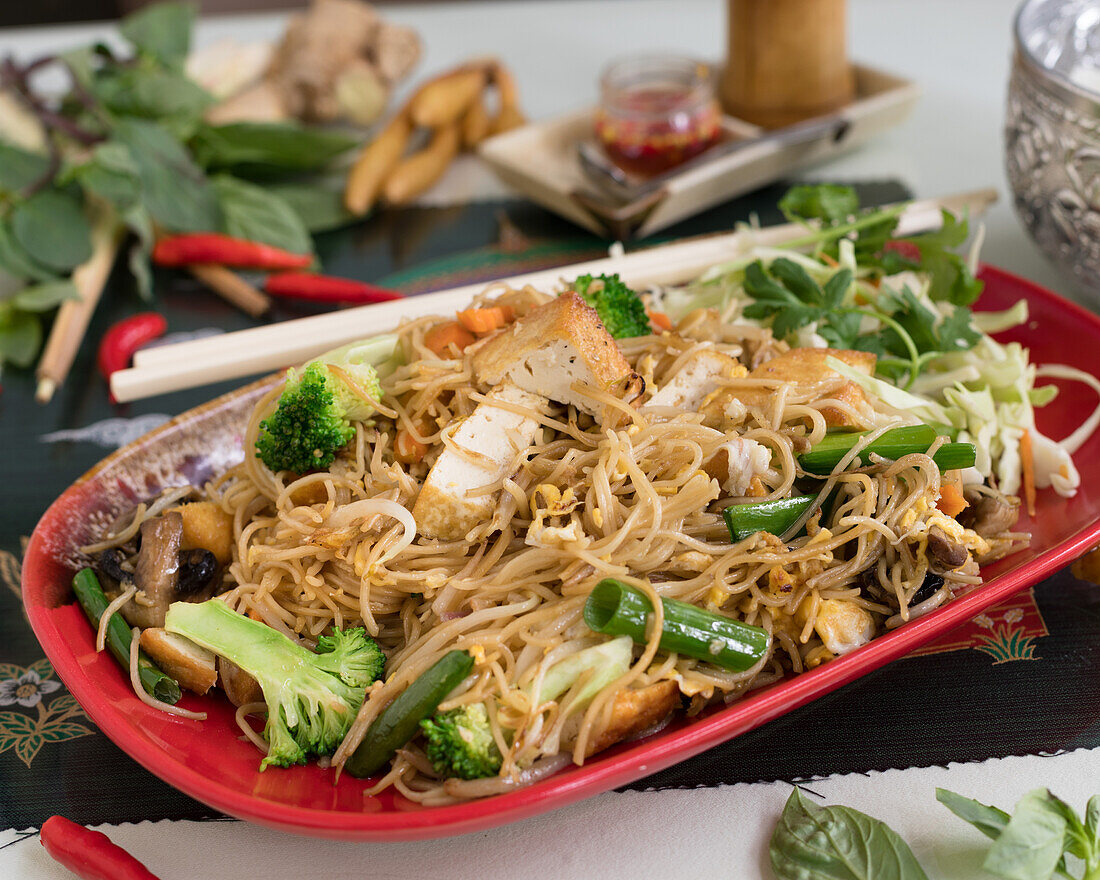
553,346
805,368
488,441
634,712
207,527
189,664
736,463
698,378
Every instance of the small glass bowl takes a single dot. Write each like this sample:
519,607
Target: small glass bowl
656,111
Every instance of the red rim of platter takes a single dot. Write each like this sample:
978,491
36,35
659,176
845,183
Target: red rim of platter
210,762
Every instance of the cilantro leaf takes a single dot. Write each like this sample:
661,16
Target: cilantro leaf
826,202
952,280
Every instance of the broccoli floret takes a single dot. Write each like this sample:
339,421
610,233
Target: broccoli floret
460,743
620,309
312,698
312,420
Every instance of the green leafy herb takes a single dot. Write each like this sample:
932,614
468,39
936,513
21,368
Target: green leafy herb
43,297
20,169
161,31
829,203
112,174
785,292
16,261
176,192
150,92
838,843
52,229
1033,842
20,335
263,149
320,205
253,213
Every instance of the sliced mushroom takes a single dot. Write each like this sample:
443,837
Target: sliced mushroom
198,575
156,572
990,513
110,564
944,553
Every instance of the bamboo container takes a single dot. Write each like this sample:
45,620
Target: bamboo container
787,61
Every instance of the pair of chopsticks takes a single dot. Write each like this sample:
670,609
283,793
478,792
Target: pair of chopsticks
263,349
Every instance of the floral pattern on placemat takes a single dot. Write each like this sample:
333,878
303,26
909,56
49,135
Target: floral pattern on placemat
1006,632
51,722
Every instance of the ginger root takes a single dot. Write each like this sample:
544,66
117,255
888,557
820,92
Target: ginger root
337,61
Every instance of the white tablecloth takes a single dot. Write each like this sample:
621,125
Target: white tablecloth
959,51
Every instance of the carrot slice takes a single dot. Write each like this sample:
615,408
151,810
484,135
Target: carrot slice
486,320
1027,464
442,336
660,320
951,502
407,449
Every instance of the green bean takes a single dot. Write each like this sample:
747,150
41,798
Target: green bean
892,444
400,720
745,520
615,608
92,599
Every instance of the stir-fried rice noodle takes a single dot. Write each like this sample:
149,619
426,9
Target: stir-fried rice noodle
339,548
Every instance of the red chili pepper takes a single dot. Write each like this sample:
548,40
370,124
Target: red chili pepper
123,338
326,289
90,854
224,250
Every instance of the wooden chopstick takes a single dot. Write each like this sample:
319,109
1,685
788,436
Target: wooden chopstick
232,288
71,322
264,349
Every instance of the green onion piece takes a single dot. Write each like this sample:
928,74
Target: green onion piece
745,520
400,720
618,609
892,444
92,599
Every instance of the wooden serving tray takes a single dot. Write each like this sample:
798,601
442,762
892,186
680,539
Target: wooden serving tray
540,160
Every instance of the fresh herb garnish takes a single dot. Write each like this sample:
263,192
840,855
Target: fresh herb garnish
837,843
1033,843
828,202
125,149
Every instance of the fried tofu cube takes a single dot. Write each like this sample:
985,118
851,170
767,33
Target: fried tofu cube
207,527
635,711
698,378
487,442
553,346
189,664
805,368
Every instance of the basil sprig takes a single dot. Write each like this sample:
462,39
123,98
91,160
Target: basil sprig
126,145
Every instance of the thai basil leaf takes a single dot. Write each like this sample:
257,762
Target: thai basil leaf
252,149
20,169
52,228
112,174
161,31
138,221
43,297
838,843
149,92
175,191
253,213
20,336
1032,843
16,261
991,821
320,206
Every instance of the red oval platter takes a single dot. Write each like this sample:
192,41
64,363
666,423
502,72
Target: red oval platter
208,761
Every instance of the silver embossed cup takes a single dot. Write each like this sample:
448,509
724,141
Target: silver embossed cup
1052,132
